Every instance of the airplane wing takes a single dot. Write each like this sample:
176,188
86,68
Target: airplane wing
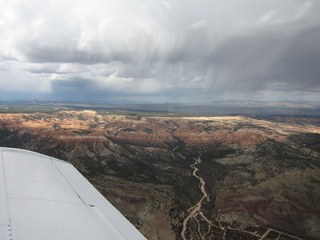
43,198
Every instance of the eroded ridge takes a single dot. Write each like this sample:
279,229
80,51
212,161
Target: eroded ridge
257,176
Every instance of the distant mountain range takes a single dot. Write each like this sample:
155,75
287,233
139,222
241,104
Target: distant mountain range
228,107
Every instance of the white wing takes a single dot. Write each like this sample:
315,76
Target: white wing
43,198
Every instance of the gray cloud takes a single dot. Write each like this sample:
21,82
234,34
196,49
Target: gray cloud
77,90
161,50
278,58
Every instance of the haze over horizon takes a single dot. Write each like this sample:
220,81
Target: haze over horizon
160,51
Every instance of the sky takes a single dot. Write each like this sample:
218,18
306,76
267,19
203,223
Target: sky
180,51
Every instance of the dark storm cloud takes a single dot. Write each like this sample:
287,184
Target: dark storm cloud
77,90
300,64
178,50
276,58
89,90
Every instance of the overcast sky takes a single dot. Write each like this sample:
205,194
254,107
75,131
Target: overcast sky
160,51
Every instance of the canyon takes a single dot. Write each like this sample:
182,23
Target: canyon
189,177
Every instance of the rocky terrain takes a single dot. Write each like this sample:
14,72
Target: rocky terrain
226,177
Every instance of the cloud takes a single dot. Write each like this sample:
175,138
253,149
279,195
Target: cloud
273,59
199,24
172,50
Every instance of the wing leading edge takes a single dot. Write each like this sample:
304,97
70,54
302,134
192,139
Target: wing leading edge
43,198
